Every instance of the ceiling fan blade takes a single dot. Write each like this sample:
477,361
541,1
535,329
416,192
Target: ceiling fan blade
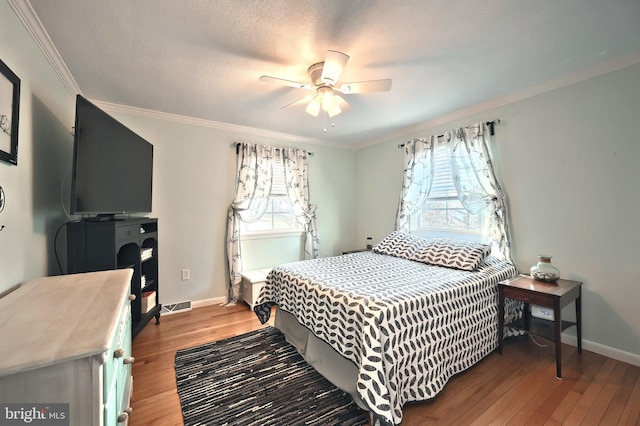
283,82
297,101
365,86
334,64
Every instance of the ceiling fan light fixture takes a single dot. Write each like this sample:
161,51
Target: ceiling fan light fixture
324,100
313,107
329,103
333,110
325,95
324,92
330,106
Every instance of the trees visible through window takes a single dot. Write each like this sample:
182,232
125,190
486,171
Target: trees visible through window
447,215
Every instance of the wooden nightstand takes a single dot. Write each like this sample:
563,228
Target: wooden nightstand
551,295
355,251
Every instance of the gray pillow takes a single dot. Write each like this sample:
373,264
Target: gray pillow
400,244
457,254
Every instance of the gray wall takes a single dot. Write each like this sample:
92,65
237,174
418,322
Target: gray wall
32,188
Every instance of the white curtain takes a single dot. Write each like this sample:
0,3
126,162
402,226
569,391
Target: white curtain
473,176
417,179
253,188
477,186
296,176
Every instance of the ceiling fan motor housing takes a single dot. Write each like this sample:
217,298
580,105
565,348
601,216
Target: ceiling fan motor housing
315,74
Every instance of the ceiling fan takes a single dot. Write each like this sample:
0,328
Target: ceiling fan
324,78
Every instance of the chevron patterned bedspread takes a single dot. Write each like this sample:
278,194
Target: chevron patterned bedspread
407,326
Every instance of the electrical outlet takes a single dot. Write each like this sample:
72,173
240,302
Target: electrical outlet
185,274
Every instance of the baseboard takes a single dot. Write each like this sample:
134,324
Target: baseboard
209,302
628,357
187,305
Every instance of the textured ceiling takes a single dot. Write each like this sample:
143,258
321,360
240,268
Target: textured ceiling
203,58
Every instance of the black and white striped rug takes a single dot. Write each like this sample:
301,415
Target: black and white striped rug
258,378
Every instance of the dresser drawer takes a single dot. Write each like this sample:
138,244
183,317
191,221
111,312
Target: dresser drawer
117,369
117,351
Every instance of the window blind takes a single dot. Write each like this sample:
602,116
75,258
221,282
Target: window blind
278,186
442,185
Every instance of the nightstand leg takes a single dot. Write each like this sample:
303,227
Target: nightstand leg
578,303
500,321
557,316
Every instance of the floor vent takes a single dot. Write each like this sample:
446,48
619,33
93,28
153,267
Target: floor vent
175,308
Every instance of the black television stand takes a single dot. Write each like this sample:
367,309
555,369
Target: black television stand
99,245
101,218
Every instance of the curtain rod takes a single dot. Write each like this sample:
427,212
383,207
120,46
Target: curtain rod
237,146
491,124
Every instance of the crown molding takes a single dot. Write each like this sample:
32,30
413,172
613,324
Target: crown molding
34,26
548,86
200,122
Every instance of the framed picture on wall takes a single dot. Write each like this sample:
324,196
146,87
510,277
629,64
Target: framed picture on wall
9,110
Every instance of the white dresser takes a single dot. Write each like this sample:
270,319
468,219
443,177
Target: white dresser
67,339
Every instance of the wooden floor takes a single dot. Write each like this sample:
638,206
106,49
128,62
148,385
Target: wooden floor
516,388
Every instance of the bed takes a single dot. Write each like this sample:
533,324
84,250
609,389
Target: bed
391,325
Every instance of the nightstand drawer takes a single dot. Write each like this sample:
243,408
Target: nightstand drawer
527,296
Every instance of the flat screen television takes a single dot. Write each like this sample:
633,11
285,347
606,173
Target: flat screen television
112,166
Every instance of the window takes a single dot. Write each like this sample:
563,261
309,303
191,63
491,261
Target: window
442,214
279,216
